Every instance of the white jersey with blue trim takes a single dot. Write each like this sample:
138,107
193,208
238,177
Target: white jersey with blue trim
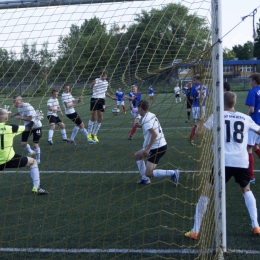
150,121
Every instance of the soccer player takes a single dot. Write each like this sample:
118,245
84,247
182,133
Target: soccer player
134,97
27,113
198,94
154,147
236,161
188,101
9,159
54,107
97,105
151,92
120,94
69,102
253,102
177,92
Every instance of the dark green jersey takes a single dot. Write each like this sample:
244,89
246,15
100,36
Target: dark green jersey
7,134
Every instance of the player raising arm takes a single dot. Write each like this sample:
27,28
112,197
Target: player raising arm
236,130
9,159
154,147
120,95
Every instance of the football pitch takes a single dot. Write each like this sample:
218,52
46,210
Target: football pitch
96,211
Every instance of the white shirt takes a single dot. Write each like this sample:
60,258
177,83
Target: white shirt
100,88
177,90
27,110
68,98
236,129
54,103
150,121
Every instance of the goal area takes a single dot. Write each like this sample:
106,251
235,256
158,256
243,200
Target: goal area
95,209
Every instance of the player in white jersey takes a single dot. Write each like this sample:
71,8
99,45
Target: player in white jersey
177,92
69,102
97,105
28,114
154,147
236,129
53,118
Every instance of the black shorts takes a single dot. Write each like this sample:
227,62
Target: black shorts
241,175
189,103
97,104
37,134
177,95
16,162
156,154
74,117
53,119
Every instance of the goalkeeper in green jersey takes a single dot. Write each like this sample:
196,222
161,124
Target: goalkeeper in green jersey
8,157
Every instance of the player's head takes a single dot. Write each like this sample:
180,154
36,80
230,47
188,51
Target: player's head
255,79
134,89
189,84
226,86
3,115
151,86
143,107
18,101
54,93
119,89
66,88
103,75
230,99
196,79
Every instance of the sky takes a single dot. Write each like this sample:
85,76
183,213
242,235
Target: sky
46,24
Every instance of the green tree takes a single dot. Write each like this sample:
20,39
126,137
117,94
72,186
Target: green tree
244,52
257,42
228,54
4,66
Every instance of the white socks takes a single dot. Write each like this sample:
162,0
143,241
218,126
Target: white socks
201,208
90,126
142,168
163,173
35,175
74,132
96,128
251,206
28,148
84,132
63,134
50,135
37,153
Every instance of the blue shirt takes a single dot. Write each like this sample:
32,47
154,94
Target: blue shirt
253,100
185,90
137,98
199,91
150,90
120,95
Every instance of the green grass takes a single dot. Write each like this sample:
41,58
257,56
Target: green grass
104,208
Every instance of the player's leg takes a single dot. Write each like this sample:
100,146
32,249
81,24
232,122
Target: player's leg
97,124
243,179
123,106
37,134
81,127
142,167
251,143
25,145
50,133
195,112
136,121
63,131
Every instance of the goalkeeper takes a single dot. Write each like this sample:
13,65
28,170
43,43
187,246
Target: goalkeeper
29,116
9,159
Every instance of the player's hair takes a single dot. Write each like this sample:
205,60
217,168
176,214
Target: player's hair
134,86
54,91
16,96
144,104
256,77
65,85
229,99
226,86
197,76
189,84
103,72
3,114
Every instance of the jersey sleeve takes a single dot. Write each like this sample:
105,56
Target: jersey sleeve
253,126
250,99
49,103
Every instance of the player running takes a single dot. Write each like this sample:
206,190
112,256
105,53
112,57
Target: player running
134,97
8,157
120,94
28,114
237,126
154,147
53,118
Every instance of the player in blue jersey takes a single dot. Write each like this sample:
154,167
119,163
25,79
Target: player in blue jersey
134,97
151,93
198,94
184,90
253,101
120,95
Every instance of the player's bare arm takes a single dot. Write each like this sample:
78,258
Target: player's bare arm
251,111
53,109
108,95
93,84
24,118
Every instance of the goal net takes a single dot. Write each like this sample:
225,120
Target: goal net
95,209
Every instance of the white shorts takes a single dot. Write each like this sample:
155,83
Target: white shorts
253,138
151,95
135,113
196,112
122,103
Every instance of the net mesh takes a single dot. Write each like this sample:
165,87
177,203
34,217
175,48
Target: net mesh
94,209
